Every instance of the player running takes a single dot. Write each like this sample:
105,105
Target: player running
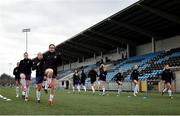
93,75
83,78
51,59
119,78
17,78
38,65
167,77
76,81
134,76
102,77
25,74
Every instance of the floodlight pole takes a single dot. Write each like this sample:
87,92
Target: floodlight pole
26,31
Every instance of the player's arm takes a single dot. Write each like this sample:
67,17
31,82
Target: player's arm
14,71
35,65
20,67
31,63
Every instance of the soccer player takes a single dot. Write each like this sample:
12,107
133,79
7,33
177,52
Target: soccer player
119,78
134,76
167,77
76,81
102,77
93,75
83,78
25,74
17,78
51,59
38,65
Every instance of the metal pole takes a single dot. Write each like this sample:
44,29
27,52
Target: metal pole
26,30
128,50
153,44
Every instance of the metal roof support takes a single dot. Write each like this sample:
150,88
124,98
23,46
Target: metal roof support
83,59
68,57
70,65
99,40
94,56
119,39
73,54
79,48
78,60
117,50
128,50
134,28
93,48
101,54
153,44
161,13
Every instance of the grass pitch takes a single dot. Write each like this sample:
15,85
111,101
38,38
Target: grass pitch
86,103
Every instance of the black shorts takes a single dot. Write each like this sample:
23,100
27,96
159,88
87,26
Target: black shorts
82,82
76,82
28,77
92,81
39,79
103,79
166,82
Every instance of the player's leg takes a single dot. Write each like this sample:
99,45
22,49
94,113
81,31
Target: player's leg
135,87
169,89
17,81
52,90
28,78
165,89
84,86
23,83
38,88
45,82
104,87
92,87
52,84
73,87
119,87
98,85
78,87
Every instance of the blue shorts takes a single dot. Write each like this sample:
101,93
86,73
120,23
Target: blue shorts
39,79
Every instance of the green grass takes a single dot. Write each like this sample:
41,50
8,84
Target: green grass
86,103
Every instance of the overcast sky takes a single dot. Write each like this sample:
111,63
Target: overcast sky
51,21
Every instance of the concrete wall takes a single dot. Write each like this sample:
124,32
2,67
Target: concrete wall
177,85
168,43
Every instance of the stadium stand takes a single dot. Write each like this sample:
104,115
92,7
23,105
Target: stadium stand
143,32
150,65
